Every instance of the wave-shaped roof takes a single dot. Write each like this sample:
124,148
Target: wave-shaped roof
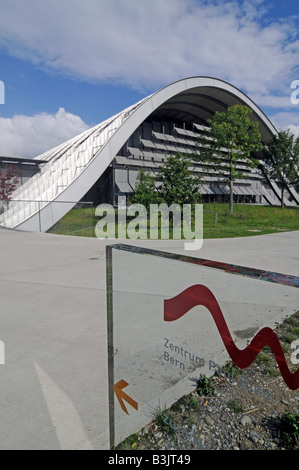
72,168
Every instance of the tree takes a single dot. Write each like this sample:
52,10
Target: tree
178,185
9,179
281,160
145,190
170,189
232,138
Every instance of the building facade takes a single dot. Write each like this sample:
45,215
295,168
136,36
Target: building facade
103,162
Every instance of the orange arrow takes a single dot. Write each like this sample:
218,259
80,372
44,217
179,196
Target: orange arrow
121,396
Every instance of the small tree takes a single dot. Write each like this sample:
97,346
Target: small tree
178,185
145,190
174,185
281,160
232,138
9,179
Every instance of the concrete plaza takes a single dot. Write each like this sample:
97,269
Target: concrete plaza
54,392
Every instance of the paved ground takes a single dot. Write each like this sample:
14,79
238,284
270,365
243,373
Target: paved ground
53,325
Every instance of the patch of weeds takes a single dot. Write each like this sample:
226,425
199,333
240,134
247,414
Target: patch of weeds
205,386
262,358
295,330
285,347
190,403
289,427
189,420
290,321
231,369
163,419
289,338
176,407
235,406
130,443
273,372
293,320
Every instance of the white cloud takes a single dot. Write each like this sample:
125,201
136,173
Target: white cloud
29,136
286,120
152,42
294,129
272,101
146,44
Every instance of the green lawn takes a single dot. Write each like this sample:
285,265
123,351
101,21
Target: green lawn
77,222
246,220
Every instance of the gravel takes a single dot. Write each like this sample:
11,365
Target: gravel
216,425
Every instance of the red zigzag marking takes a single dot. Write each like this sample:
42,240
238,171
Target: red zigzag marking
198,294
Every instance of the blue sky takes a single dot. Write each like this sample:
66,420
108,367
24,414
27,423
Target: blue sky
70,64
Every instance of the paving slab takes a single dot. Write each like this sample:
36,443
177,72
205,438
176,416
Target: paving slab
53,325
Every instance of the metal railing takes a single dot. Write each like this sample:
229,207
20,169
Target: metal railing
54,216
